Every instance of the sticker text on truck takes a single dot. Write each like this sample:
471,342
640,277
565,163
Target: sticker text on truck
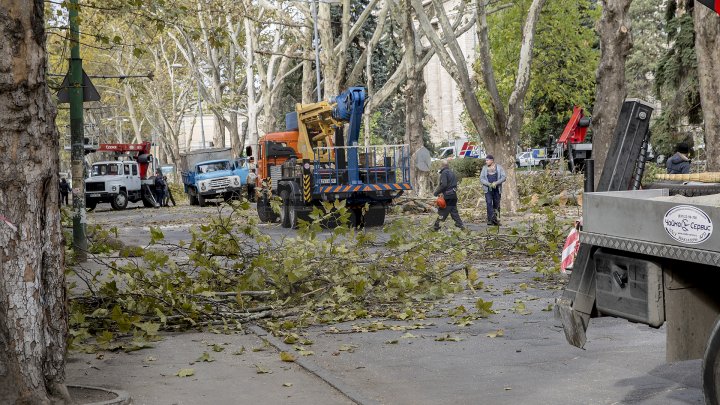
687,224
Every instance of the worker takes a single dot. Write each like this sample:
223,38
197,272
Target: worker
448,188
251,179
160,185
492,177
168,194
679,163
64,191
251,163
423,160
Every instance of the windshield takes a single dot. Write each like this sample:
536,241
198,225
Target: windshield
213,167
109,169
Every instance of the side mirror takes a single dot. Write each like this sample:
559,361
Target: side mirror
248,151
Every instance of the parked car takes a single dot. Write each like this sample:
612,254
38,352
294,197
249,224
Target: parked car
526,159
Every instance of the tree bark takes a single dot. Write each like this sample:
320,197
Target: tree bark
707,49
414,90
33,318
615,46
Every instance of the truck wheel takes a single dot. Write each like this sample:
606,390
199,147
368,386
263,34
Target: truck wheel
119,201
375,216
147,203
285,209
201,200
90,205
711,367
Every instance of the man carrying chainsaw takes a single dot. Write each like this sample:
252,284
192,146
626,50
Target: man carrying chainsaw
448,189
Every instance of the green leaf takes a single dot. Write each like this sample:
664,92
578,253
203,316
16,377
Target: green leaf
205,358
497,333
287,357
185,372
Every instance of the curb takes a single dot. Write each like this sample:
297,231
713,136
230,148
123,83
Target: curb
313,368
123,397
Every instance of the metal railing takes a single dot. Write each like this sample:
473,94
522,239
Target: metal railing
376,164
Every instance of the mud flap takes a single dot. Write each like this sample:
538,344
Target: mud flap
575,307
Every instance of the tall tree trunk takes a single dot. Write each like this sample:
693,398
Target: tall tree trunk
615,45
252,129
414,90
707,48
308,83
33,318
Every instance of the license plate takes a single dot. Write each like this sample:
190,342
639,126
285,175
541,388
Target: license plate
222,190
327,181
94,195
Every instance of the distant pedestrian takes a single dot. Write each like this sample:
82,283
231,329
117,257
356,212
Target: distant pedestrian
492,177
160,185
679,163
251,180
64,191
448,188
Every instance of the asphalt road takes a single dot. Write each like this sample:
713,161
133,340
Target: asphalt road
529,363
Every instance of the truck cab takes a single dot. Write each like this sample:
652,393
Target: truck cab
114,182
212,179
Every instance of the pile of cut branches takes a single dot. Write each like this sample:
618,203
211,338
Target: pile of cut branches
231,273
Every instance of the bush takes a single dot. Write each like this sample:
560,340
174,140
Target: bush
463,167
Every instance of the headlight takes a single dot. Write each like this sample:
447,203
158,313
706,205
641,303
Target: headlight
203,187
236,180
114,188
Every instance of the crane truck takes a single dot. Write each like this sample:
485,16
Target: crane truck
121,181
316,160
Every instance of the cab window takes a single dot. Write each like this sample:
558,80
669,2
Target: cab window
127,169
134,170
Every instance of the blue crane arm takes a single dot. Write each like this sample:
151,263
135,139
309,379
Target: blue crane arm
349,107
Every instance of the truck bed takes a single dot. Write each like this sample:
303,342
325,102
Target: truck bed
680,228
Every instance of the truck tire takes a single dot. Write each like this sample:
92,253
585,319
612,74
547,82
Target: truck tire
147,203
711,367
90,205
375,216
265,212
687,190
119,201
201,200
285,209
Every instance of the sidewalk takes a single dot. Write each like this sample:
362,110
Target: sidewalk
149,374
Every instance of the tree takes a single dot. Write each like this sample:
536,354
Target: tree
563,71
707,46
33,321
615,45
676,80
501,131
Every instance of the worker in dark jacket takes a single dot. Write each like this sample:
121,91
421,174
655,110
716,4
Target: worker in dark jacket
679,163
448,188
64,191
160,185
